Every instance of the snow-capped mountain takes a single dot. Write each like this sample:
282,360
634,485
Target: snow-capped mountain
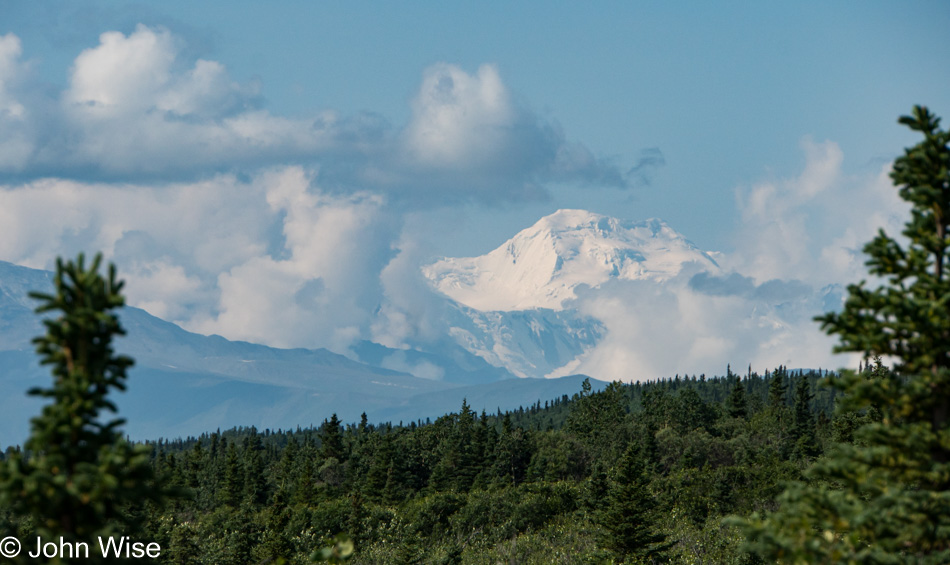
579,292
541,266
527,343
513,306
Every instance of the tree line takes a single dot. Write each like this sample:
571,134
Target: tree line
584,477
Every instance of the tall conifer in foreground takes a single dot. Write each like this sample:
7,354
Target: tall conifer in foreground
629,519
78,478
886,497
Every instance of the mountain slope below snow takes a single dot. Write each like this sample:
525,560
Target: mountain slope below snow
187,384
184,382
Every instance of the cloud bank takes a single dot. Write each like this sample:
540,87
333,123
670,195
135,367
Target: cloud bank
813,227
136,109
272,259
799,242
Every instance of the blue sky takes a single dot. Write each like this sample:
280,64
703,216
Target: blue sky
108,107
724,91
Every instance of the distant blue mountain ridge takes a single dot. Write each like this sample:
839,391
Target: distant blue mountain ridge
186,384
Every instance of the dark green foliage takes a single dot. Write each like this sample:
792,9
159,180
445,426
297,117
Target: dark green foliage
662,461
778,389
330,437
77,477
233,484
629,517
691,412
736,404
597,418
512,454
255,483
886,497
463,454
804,432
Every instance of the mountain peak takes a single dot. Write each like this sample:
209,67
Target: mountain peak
565,219
572,220
542,265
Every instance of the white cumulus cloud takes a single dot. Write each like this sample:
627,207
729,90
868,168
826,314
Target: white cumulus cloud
799,242
322,287
814,226
460,120
137,108
16,139
272,259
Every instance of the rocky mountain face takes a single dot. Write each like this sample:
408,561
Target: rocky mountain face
514,305
542,266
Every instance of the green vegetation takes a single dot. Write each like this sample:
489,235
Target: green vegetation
634,473
78,478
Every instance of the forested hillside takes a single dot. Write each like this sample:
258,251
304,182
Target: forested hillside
571,480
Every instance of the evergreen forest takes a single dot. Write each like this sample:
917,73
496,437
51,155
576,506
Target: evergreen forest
572,480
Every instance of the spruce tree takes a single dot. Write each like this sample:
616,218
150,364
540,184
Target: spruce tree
778,388
233,483
332,439
77,477
803,430
628,518
886,497
255,479
736,404
379,470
